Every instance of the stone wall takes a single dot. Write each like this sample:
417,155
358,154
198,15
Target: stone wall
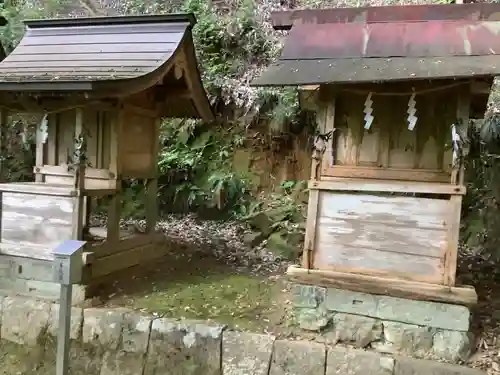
122,342
392,325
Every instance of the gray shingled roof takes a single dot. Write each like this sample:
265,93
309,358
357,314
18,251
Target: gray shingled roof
94,49
109,57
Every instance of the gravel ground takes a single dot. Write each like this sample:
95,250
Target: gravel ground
221,239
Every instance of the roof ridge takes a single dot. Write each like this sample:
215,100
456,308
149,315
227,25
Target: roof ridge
111,20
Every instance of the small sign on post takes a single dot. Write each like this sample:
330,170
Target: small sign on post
67,270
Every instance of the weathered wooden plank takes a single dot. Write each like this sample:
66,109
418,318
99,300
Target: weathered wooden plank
37,188
28,268
39,289
401,236
370,261
120,261
42,220
384,286
124,244
138,145
409,212
367,235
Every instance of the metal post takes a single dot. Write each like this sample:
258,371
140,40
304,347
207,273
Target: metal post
63,334
67,270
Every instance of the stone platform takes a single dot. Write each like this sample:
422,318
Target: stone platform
123,342
385,324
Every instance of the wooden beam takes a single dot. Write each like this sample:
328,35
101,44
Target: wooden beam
464,295
62,170
351,184
386,173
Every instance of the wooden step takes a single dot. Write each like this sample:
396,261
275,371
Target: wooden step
38,188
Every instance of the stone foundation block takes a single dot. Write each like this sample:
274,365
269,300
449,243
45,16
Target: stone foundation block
344,361
422,313
121,363
103,327
129,359
358,330
184,348
313,319
24,320
246,353
308,296
410,366
406,339
76,321
452,345
298,358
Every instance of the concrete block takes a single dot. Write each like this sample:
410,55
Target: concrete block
410,366
103,327
298,358
184,348
24,320
246,353
345,361
422,313
76,321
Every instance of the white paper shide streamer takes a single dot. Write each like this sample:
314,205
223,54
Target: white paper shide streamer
44,129
456,143
368,111
412,119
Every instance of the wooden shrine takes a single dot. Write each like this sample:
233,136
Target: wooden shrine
393,97
100,88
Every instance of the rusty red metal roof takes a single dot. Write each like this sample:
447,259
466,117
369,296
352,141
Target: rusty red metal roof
284,20
392,39
386,51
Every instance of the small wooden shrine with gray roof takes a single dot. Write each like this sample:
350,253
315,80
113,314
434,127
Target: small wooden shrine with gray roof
100,87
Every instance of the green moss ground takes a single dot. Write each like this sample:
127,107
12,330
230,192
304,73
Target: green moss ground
195,287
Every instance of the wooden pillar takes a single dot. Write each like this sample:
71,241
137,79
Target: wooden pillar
152,186
115,204
3,126
451,251
79,182
151,204
321,158
39,154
